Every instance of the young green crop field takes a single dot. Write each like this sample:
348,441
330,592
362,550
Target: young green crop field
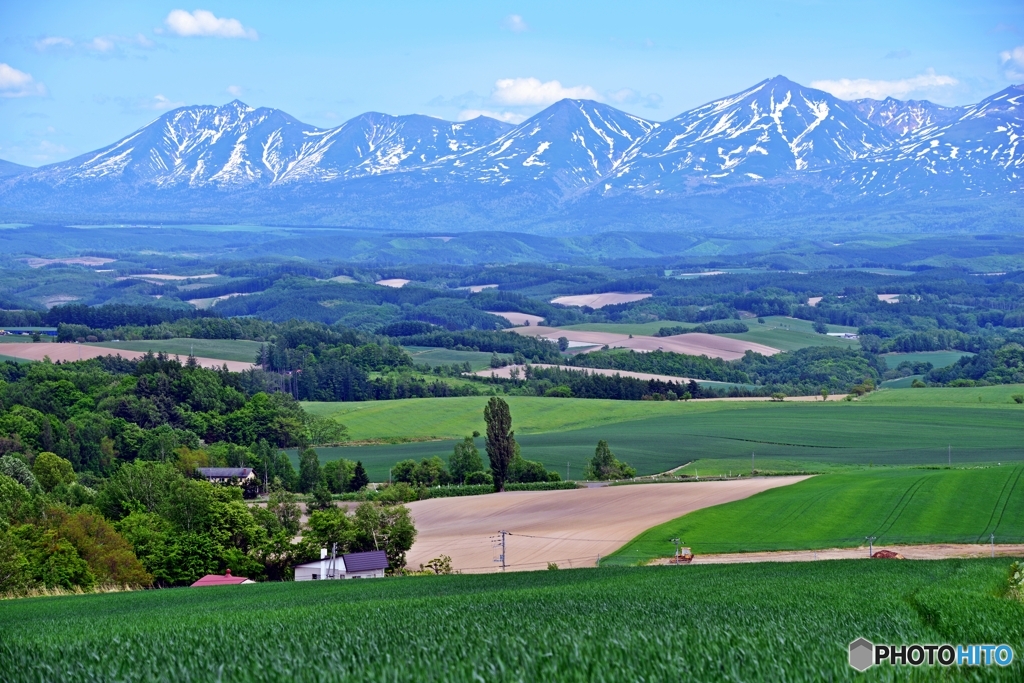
894,427
764,622
218,349
896,505
938,359
432,356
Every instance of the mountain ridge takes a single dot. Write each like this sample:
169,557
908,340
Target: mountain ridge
777,148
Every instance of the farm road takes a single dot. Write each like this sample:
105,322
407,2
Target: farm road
73,352
936,551
570,528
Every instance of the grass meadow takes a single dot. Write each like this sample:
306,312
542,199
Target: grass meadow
893,427
896,505
765,622
938,359
432,356
218,349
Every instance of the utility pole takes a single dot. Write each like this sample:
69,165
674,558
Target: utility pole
992,539
751,463
949,455
871,541
675,555
567,470
500,543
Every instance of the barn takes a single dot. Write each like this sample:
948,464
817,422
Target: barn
367,565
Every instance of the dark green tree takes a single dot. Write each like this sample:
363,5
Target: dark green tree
309,470
464,460
605,466
501,440
359,478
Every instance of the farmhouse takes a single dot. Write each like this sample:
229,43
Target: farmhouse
221,580
368,565
223,475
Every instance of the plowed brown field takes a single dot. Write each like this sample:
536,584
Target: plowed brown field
570,528
693,344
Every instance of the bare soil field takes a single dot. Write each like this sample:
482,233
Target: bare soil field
570,528
476,289
519,318
506,372
207,303
73,352
694,344
938,551
166,278
393,282
599,300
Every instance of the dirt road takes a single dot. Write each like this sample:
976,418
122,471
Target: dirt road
570,528
73,352
938,551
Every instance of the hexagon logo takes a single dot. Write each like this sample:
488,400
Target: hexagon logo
862,654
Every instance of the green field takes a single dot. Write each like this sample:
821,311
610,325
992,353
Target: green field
218,349
938,359
432,356
893,427
767,622
790,334
896,505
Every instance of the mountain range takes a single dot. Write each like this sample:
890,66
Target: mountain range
777,152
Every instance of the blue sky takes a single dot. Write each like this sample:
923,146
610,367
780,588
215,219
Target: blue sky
77,76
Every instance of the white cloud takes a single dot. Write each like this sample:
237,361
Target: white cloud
518,92
103,45
235,90
630,96
54,43
204,23
161,103
515,23
857,88
1013,61
14,83
506,116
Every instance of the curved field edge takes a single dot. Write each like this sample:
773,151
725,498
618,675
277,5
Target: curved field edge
790,622
841,509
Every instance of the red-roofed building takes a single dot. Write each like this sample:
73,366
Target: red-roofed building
221,580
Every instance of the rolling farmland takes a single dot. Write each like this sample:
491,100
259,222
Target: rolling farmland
896,506
895,427
791,622
219,349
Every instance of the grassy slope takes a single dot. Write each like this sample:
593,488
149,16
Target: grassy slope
768,622
841,509
220,349
790,334
911,426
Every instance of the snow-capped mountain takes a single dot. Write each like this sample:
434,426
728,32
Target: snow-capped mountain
237,145
777,147
900,117
569,145
981,150
772,129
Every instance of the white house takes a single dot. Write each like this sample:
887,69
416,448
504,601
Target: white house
368,565
226,475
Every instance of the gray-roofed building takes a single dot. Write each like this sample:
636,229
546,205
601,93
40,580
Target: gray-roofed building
222,475
367,565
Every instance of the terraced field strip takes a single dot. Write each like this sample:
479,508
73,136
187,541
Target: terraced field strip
569,528
72,352
219,349
694,343
896,506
